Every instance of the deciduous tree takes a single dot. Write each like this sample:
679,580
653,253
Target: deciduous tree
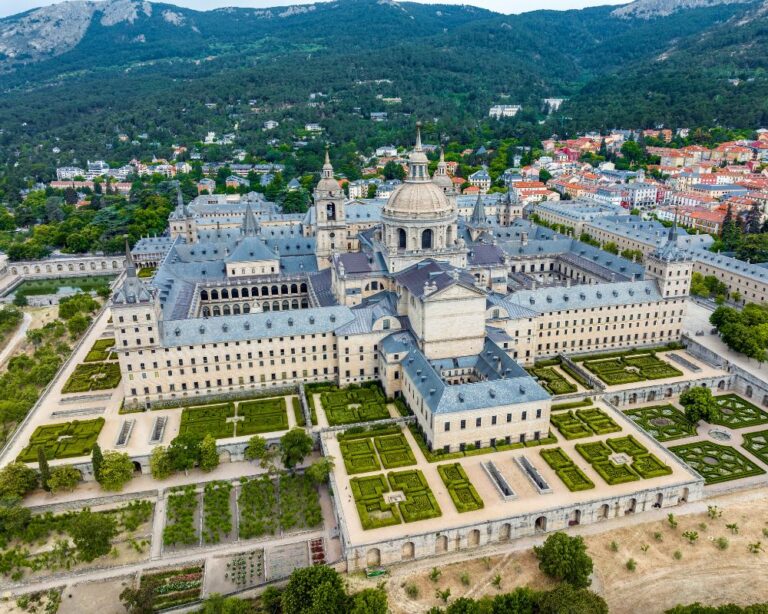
116,471
565,558
296,445
92,533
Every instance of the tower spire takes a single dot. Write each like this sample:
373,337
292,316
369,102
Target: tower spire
130,265
327,166
417,160
418,137
478,213
250,227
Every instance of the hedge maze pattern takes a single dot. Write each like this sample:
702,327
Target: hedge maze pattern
101,351
64,440
352,405
737,413
375,512
552,380
573,477
369,451
584,423
644,464
757,444
663,422
236,420
628,369
463,494
716,463
93,376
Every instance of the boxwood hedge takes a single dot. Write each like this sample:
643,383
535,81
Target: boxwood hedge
461,490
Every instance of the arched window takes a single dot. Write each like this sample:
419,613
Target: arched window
275,291
204,295
214,295
235,293
294,289
401,238
426,239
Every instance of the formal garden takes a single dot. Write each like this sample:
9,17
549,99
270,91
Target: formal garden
379,447
101,351
757,444
735,412
237,418
716,463
610,459
460,489
552,380
630,367
583,423
662,422
570,474
182,517
352,404
46,543
93,376
63,440
411,498
174,587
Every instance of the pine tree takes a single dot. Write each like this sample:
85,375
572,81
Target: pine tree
753,219
45,472
96,459
730,235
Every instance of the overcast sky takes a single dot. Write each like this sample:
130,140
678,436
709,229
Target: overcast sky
9,7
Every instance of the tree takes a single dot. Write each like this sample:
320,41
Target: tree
730,234
97,458
272,600
566,599
16,479
393,170
372,190
209,455
544,175
14,518
369,601
116,471
92,533
699,404
314,590
218,604
521,601
64,478
565,558
78,324
140,600
259,450
160,463
42,467
296,444
319,471
185,451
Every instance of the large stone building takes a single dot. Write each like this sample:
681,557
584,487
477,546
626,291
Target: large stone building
440,308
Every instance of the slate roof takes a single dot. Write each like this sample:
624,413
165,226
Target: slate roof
441,275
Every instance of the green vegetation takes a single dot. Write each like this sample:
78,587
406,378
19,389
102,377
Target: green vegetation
217,514
180,520
552,380
251,417
100,351
359,455
38,287
570,474
354,404
208,420
584,423
572,405
735,412
93,376
419,503
63,440
10,319
116,470
257,503
262,416
757,444
565,559
743,330
299,503
394,451
168,588
644,465
662,422
716,463
699,404
634,368
463,494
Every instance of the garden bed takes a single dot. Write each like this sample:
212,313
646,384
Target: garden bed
93,376
299,503
100,351
662,422
354,404
258,507
217,512
463,494
737,413
716,463
63,440
584,423
176,586
757,444
552,380
181,517
631,368
644,464
208,420
573,477
262,416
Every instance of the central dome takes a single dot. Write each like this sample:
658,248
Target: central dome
418,197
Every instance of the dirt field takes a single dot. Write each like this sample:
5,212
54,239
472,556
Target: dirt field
703,573
101,597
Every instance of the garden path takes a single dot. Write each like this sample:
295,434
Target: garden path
17,337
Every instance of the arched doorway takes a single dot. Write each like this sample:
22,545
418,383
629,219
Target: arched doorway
136,467
631,507
541,524
426,239
659,500
602,514
408,552
441,544
506,532
574,518
473,539
373,557
684,497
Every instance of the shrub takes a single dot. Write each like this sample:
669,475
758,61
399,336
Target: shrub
631,565
93,376
573,477
460,489
79,437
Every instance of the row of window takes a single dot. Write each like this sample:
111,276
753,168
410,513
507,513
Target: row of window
493,422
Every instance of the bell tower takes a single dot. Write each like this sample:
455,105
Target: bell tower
670,267
331,231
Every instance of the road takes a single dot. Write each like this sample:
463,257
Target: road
17,338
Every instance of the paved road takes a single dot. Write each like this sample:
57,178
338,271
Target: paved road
18,336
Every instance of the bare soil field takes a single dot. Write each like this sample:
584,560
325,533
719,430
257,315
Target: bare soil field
701,572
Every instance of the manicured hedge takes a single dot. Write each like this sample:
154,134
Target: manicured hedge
572,405
570,426
573,477
359,456
632,368
716,463
63,440
663,422
737,413
598,421
463,494
394,451
298,412
354,404
262,416
368,494
644,464
100,351
93,376
550,379
208,419
420,503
